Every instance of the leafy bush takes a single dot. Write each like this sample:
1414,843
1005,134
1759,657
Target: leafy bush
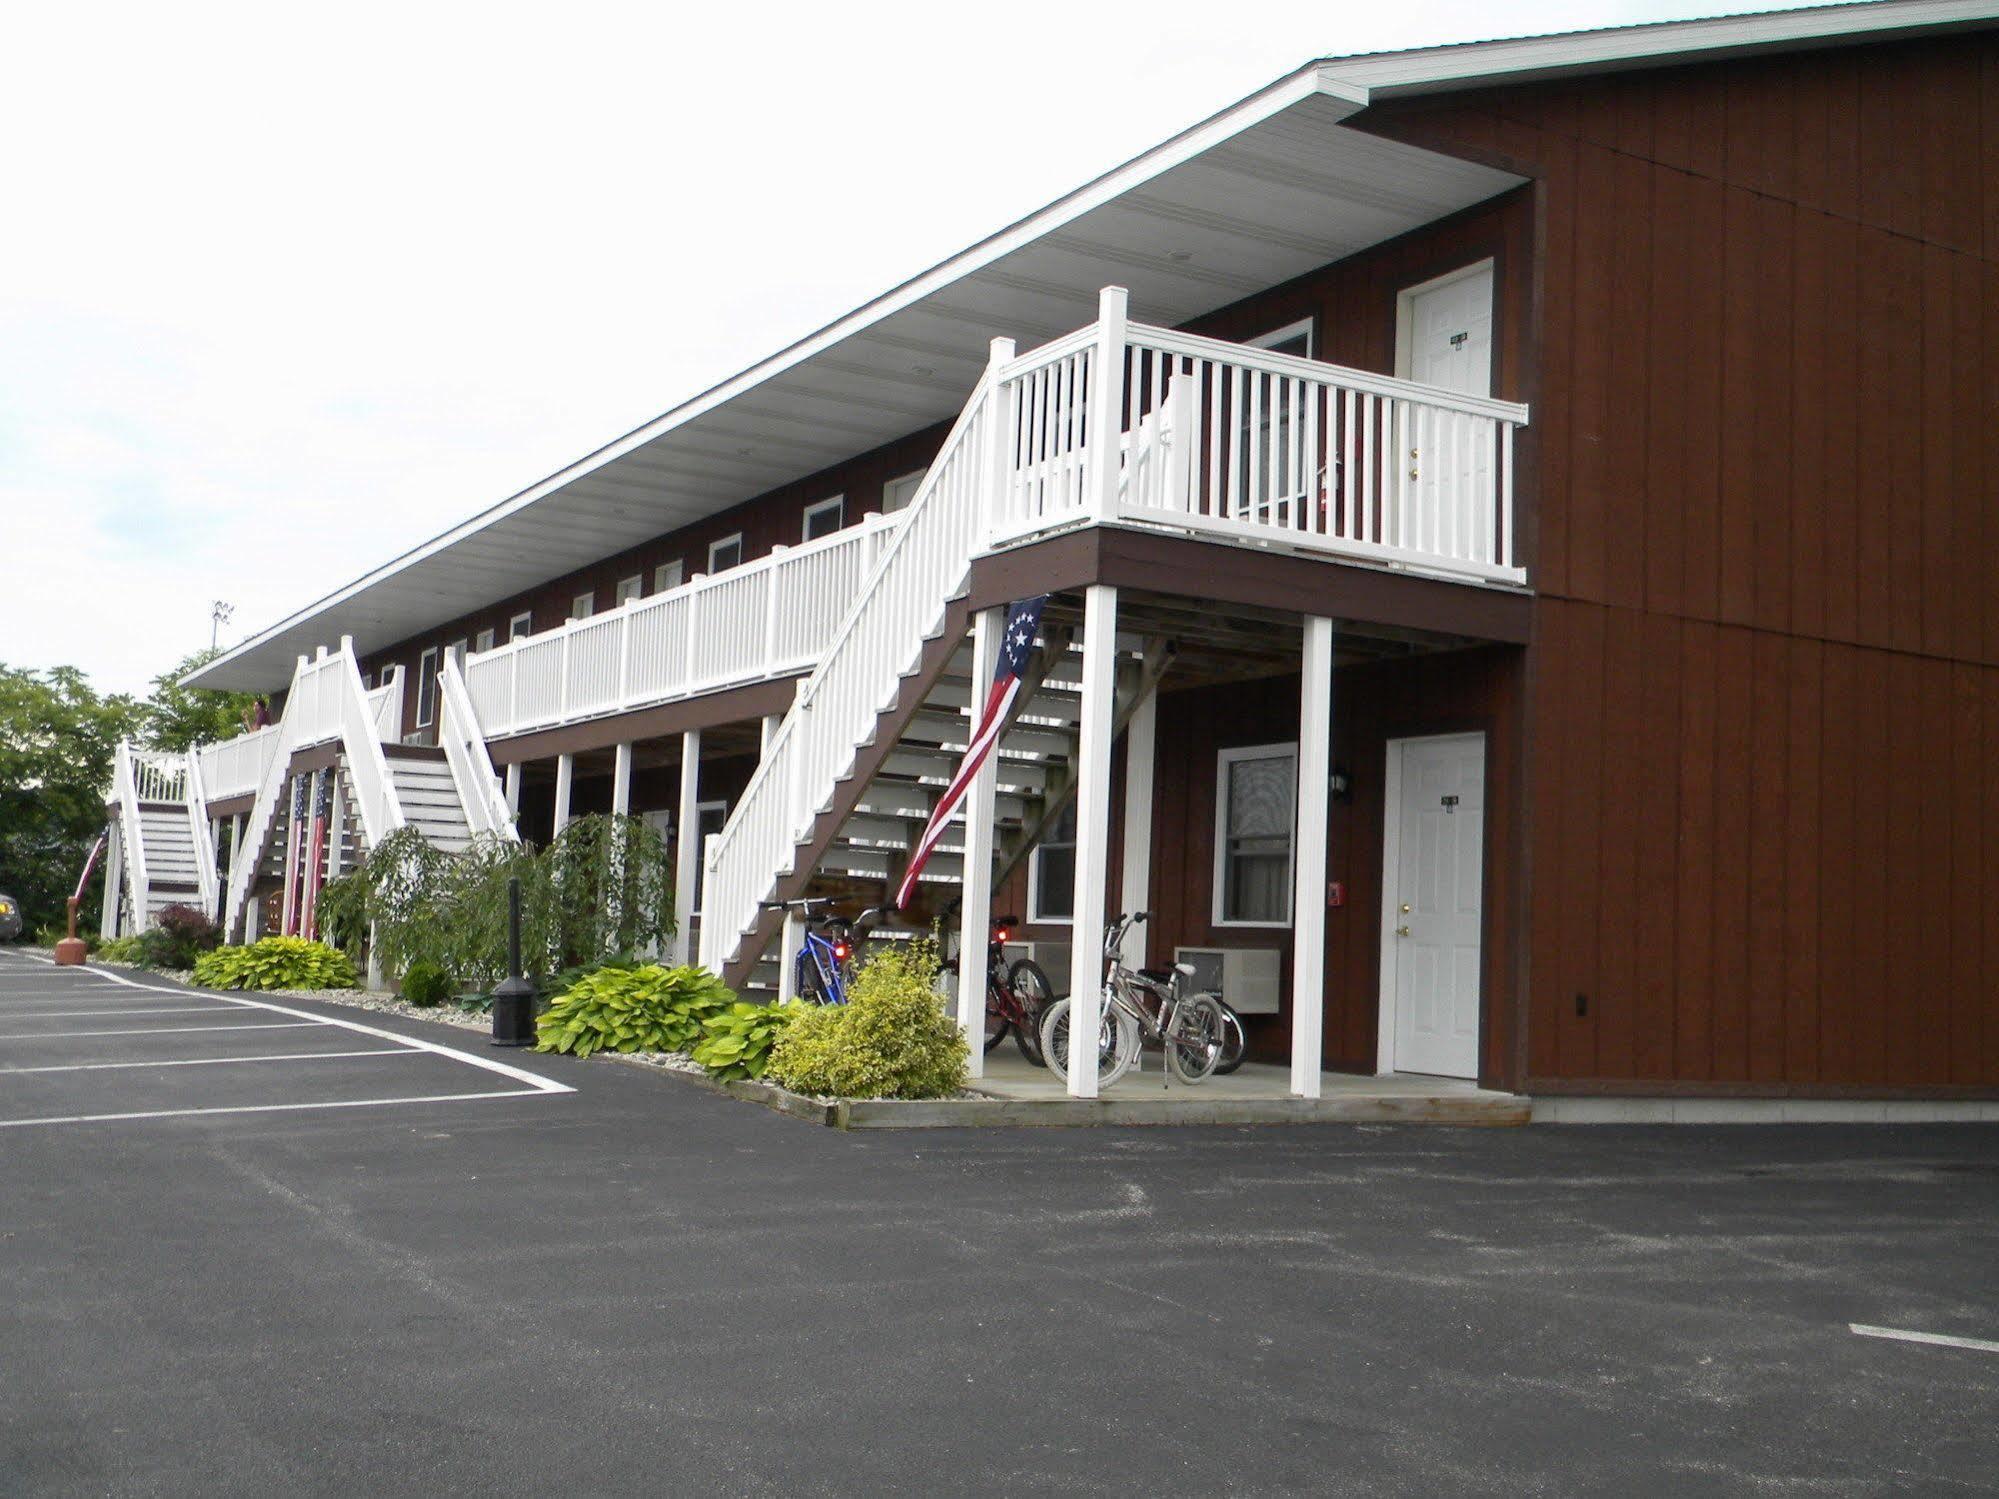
891,1039
275,963
738,1040
604,886
632,1009
179,934
119,950
426,984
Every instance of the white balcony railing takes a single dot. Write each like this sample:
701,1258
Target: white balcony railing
1245,445
236,767
768,618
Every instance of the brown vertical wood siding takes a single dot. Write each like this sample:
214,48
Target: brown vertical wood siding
1764,699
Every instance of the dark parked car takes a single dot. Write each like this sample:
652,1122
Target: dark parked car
10,918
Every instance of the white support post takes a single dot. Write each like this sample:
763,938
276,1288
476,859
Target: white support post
1001,437
687,846
1308,889
769,732
1140,742
514,788
975,905
790,939
1093,816
114,880
621,781
1106,412
565,779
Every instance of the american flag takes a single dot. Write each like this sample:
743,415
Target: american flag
1023,622
316,853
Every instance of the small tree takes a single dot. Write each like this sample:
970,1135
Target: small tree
178,718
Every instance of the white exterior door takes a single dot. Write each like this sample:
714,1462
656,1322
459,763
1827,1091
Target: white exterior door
1433,880
1444,338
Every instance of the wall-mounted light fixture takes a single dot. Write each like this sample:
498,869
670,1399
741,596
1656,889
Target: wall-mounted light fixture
1340,784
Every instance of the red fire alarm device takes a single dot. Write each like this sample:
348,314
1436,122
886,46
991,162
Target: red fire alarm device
1336,893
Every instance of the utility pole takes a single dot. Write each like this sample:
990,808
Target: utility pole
219,614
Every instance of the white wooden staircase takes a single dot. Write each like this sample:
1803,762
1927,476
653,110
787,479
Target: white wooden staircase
163,854
450,792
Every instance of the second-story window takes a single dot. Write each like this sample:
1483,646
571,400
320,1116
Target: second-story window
457,652
726,553
426,688
521,624
631,588
824,518
483,641
583,606
666,575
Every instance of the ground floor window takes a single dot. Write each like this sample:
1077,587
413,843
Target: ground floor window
1051,871
1255,802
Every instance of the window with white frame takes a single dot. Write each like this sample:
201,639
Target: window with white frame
897,493
456,650
667,575
426,688
483,641
583,605
1255,813
1051,870
521,624
824,518
631,588
726,553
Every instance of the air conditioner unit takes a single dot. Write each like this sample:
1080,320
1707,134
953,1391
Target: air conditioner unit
1052,956
1247,977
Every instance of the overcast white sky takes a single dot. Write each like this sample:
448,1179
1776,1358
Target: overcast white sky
287,289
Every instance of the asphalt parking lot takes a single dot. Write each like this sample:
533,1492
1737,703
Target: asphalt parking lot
402,1271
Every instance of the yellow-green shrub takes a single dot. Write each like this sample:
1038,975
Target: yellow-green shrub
632,1009
275,963
891,1039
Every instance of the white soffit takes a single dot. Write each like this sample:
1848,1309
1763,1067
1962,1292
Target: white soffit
1252,198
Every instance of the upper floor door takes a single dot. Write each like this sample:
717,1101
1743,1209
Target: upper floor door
1444,474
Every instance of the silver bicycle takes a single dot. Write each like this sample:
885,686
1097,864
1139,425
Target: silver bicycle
1189,1028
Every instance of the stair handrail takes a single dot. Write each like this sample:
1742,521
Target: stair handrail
249,850
479,792
125,790
829,719
196,797
367,766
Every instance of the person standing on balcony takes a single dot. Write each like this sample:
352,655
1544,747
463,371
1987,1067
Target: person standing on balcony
257,715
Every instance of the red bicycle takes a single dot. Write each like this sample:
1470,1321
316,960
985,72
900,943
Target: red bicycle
1016,995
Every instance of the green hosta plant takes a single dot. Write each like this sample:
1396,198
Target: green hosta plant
275,963
632,1009
738,1041
119,950
891,1039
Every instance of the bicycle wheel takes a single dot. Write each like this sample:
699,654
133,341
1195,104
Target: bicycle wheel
1196,1043
997,1023
1235,1041
1033,993
1117,1043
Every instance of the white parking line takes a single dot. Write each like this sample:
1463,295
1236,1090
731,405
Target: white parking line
285,1056
207,1009
298,1020
280,1108
1903,1335
160,1030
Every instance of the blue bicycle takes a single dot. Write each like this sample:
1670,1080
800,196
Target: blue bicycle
825,958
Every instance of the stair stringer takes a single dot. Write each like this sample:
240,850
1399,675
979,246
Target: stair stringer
911,689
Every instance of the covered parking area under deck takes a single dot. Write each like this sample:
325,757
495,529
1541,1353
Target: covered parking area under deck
1344,668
